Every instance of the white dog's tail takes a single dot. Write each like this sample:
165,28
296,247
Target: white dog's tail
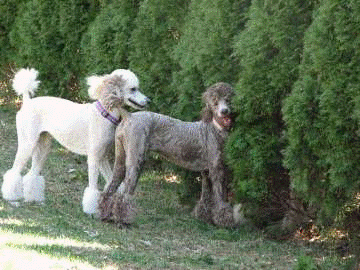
25,82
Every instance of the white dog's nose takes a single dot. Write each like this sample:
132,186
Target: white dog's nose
143,100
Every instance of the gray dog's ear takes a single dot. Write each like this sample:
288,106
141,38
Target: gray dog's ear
207,114
112,95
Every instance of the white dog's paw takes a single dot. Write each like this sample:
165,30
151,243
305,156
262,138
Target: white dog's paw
91,201
12,187
34,188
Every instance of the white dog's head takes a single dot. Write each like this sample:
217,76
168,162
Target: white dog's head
116,89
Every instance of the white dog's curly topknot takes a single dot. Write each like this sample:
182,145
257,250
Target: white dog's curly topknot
25,82
95,81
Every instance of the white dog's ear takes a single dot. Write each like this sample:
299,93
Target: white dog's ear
94,82
111,92
115,82
100,86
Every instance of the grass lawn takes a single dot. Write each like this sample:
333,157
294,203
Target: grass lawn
58,235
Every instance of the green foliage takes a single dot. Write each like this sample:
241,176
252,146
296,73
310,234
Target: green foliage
205,52
152,41
106,44
305,263
321,113
269,50
47,36
8,10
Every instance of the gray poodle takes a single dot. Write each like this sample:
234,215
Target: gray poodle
197,146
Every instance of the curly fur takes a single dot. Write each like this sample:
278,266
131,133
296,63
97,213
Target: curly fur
118,208
197,146
106,92
211,99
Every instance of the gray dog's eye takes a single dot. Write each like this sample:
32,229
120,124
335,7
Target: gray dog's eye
215,101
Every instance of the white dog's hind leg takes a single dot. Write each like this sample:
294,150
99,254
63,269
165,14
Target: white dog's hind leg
34,183
12,187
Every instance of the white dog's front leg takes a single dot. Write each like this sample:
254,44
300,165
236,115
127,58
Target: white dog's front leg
106,170
92,195
91,201
12,186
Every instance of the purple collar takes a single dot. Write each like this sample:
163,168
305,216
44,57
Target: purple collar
106,114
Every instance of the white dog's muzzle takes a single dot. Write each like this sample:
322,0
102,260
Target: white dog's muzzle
137,100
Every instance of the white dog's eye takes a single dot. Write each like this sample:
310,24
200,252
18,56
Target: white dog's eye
133,89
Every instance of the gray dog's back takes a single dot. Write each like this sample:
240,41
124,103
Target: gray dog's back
184,143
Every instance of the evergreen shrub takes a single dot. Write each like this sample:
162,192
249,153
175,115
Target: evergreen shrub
269,50
47,36
322,112
106,43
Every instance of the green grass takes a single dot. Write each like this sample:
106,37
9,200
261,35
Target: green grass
58,235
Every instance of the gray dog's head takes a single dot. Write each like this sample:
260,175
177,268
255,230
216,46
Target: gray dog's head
217,99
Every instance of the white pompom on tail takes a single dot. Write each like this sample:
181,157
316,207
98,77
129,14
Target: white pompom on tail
25,82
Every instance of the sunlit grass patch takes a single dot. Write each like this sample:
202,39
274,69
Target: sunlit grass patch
10,221
31,260
17,239
23,251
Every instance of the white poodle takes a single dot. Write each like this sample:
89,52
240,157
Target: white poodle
85,129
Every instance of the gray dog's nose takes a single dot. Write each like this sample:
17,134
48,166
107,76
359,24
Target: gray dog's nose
225,111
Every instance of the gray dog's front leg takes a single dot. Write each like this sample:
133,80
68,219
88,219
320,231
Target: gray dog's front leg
119,174
222,211
106,198
119,168
202,210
